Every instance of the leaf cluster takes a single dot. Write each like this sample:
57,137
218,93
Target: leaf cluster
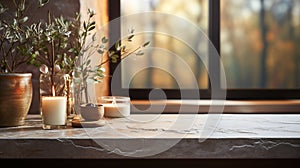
50,44
14,35
114,54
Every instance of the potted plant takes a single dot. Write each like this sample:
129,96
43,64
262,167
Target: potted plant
65,47
15,85
56,45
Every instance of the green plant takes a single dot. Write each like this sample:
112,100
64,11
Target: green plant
58,43
107,54
84,71
61,46
15,34
51,45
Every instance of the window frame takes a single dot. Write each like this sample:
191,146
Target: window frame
214,28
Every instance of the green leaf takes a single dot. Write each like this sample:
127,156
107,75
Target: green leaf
15,22
2,9
100,51
23,20
104,40
43,2
91,28
117,45
94,37
88,62
114,60
93,23
115,56
146,44
91,12
84,25
130,37
131,30
123,49
22,6
139,53
84,34
111,53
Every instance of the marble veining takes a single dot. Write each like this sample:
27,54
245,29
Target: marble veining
160,136
267,145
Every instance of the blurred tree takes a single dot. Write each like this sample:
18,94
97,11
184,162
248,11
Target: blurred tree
263,27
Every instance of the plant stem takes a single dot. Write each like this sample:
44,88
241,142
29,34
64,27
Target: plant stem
129,53
9,52
86,91
53,59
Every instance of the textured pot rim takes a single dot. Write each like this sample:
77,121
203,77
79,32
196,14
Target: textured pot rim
16,74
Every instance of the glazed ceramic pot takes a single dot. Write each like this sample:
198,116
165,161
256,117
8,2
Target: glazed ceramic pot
15,98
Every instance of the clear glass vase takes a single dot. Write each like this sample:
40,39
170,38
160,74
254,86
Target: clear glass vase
83,89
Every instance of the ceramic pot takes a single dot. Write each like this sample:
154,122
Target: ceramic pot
15,98
91,113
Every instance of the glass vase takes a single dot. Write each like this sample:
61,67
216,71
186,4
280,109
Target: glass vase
83,89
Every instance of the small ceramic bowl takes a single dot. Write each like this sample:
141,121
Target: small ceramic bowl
92,112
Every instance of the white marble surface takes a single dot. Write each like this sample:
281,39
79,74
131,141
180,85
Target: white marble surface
168,136
169,126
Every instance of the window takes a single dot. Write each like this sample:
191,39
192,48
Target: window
257,41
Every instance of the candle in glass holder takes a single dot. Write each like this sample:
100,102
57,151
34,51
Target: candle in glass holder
54,112
115,106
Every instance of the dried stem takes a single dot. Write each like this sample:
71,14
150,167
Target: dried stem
53,60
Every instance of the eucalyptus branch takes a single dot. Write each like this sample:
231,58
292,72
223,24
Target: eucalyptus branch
2,48
9,53
122,54
14,36
16,6
7,66
85,33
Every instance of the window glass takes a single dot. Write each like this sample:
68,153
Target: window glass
260,43
165,54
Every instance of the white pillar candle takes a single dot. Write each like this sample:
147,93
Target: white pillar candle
115,106
116,110
54,110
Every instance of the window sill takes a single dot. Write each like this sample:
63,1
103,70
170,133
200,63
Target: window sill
205,106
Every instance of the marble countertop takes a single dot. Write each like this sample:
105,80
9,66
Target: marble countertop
160,136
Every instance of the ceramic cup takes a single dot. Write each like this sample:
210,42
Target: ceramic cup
92,112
